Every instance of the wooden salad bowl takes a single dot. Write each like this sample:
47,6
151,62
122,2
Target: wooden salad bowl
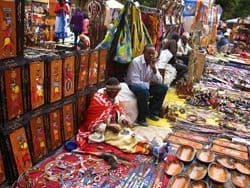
196,171
227,162
199,184
205,156
185,153
243,168
218,173
174,167
240,180
179,181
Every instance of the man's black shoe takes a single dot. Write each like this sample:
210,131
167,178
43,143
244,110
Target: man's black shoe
143,123
153,117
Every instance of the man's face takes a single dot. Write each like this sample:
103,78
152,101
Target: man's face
184,40
149,54
112,92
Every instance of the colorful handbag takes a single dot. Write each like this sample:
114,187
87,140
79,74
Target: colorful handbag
102,65
83,71
93,67
13,91
20,150
55,68
36,70
55,129
8,29
68,121
2,170
69,76
38,138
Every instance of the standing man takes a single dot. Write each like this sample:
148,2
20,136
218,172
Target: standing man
145,80
76,23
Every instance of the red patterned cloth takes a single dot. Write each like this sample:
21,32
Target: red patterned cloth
101,107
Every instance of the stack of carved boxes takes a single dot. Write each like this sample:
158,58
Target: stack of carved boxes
43,97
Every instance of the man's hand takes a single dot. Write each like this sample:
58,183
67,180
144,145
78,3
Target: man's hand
153,65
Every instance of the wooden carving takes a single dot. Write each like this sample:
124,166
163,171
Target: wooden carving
36,84
83,72
2,171
38,137
13,90
93,67
68,121
55,80
81,107
20,150
8,29
55,129
102,65
69,76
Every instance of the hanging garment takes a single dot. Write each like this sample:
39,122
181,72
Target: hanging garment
151,22
139,33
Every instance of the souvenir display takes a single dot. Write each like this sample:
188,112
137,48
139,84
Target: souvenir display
55,80
81,107
36,70
185,153
218,173
2,170
93,68
181,180
174,167
182,141
55,129
240,180
13,91
193,136
230,152
20,150
83,71
232,145
102,65
205,156
8,46
199,184
196,171
38,137
68,121
69,76
226,162
243,168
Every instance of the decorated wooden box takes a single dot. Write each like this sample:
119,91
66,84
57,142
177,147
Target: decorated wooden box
93,67
81,107
55,127
20,150
83,71
38,137
36,90
103,53
68,75
68,121
8,45
2,171
12,91
55,68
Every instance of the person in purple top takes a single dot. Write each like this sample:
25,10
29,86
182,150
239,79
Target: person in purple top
76,24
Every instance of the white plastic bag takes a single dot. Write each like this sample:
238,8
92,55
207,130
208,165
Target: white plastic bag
164,58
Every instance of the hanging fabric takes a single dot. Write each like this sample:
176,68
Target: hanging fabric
139,33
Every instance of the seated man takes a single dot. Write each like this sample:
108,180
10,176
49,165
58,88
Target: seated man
223,43
183,49
105,120
145,80
172,46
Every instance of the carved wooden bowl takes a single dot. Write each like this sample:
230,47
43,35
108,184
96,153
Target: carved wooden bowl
205,156
240,180
174,167
179,181
218,173
199,184
226,162
196,171
185,153
243,168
